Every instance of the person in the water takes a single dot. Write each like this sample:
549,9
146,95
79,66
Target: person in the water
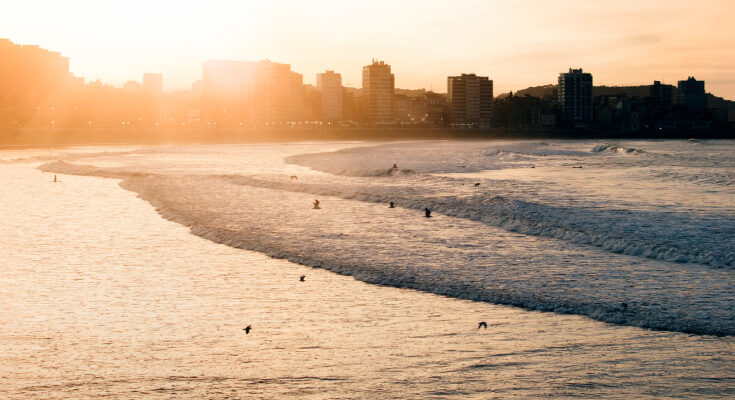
392,205
427,212
316,204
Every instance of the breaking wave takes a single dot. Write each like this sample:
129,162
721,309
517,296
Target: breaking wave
271,222
522,217
610,148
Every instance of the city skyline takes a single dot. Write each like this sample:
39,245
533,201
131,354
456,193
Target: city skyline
517,44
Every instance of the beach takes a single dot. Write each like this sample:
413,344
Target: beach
134,276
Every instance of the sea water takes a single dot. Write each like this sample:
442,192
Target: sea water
103,297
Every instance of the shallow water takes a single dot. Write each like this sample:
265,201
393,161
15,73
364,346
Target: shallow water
104,298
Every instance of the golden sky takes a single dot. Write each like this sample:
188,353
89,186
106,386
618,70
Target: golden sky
517,43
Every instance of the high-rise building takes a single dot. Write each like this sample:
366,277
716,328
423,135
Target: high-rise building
153,84
661,95
575,97
330,85
251,92
378,85
34,84
692,94
470,99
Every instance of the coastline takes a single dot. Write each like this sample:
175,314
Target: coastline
173,326
53,137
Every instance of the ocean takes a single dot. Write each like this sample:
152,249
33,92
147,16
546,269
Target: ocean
602,269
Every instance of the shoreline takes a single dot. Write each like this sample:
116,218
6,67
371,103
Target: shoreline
331,334
62,137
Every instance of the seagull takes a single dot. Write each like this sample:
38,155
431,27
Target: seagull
247,329
294,177
302,277
482,324
428,212
477,184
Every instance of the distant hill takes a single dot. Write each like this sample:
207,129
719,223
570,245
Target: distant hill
630,91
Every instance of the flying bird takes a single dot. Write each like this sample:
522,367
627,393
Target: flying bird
482,324
477,184
247,329
294,177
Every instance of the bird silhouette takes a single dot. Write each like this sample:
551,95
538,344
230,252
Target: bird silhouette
247,329
302,277
427,212
482,324
294,177
477,184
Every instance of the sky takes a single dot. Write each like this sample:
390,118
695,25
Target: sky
517,43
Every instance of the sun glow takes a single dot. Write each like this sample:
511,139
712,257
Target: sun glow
517,43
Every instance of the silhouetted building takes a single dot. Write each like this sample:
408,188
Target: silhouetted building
237,93
330,85
410,110
692,94
378,85
523,112
348,104
35,85
436,109
575,97
661,95
470,99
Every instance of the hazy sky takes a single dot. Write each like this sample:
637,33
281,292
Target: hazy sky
518,43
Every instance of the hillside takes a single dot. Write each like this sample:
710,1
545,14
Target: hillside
630,91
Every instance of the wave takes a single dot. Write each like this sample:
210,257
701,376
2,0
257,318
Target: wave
611,148
71,156
562,223
521,217
375,173
212,207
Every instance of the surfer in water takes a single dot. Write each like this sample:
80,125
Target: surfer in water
392,205
427,213
316,204
55,180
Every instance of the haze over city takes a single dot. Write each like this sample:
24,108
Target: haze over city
517,43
